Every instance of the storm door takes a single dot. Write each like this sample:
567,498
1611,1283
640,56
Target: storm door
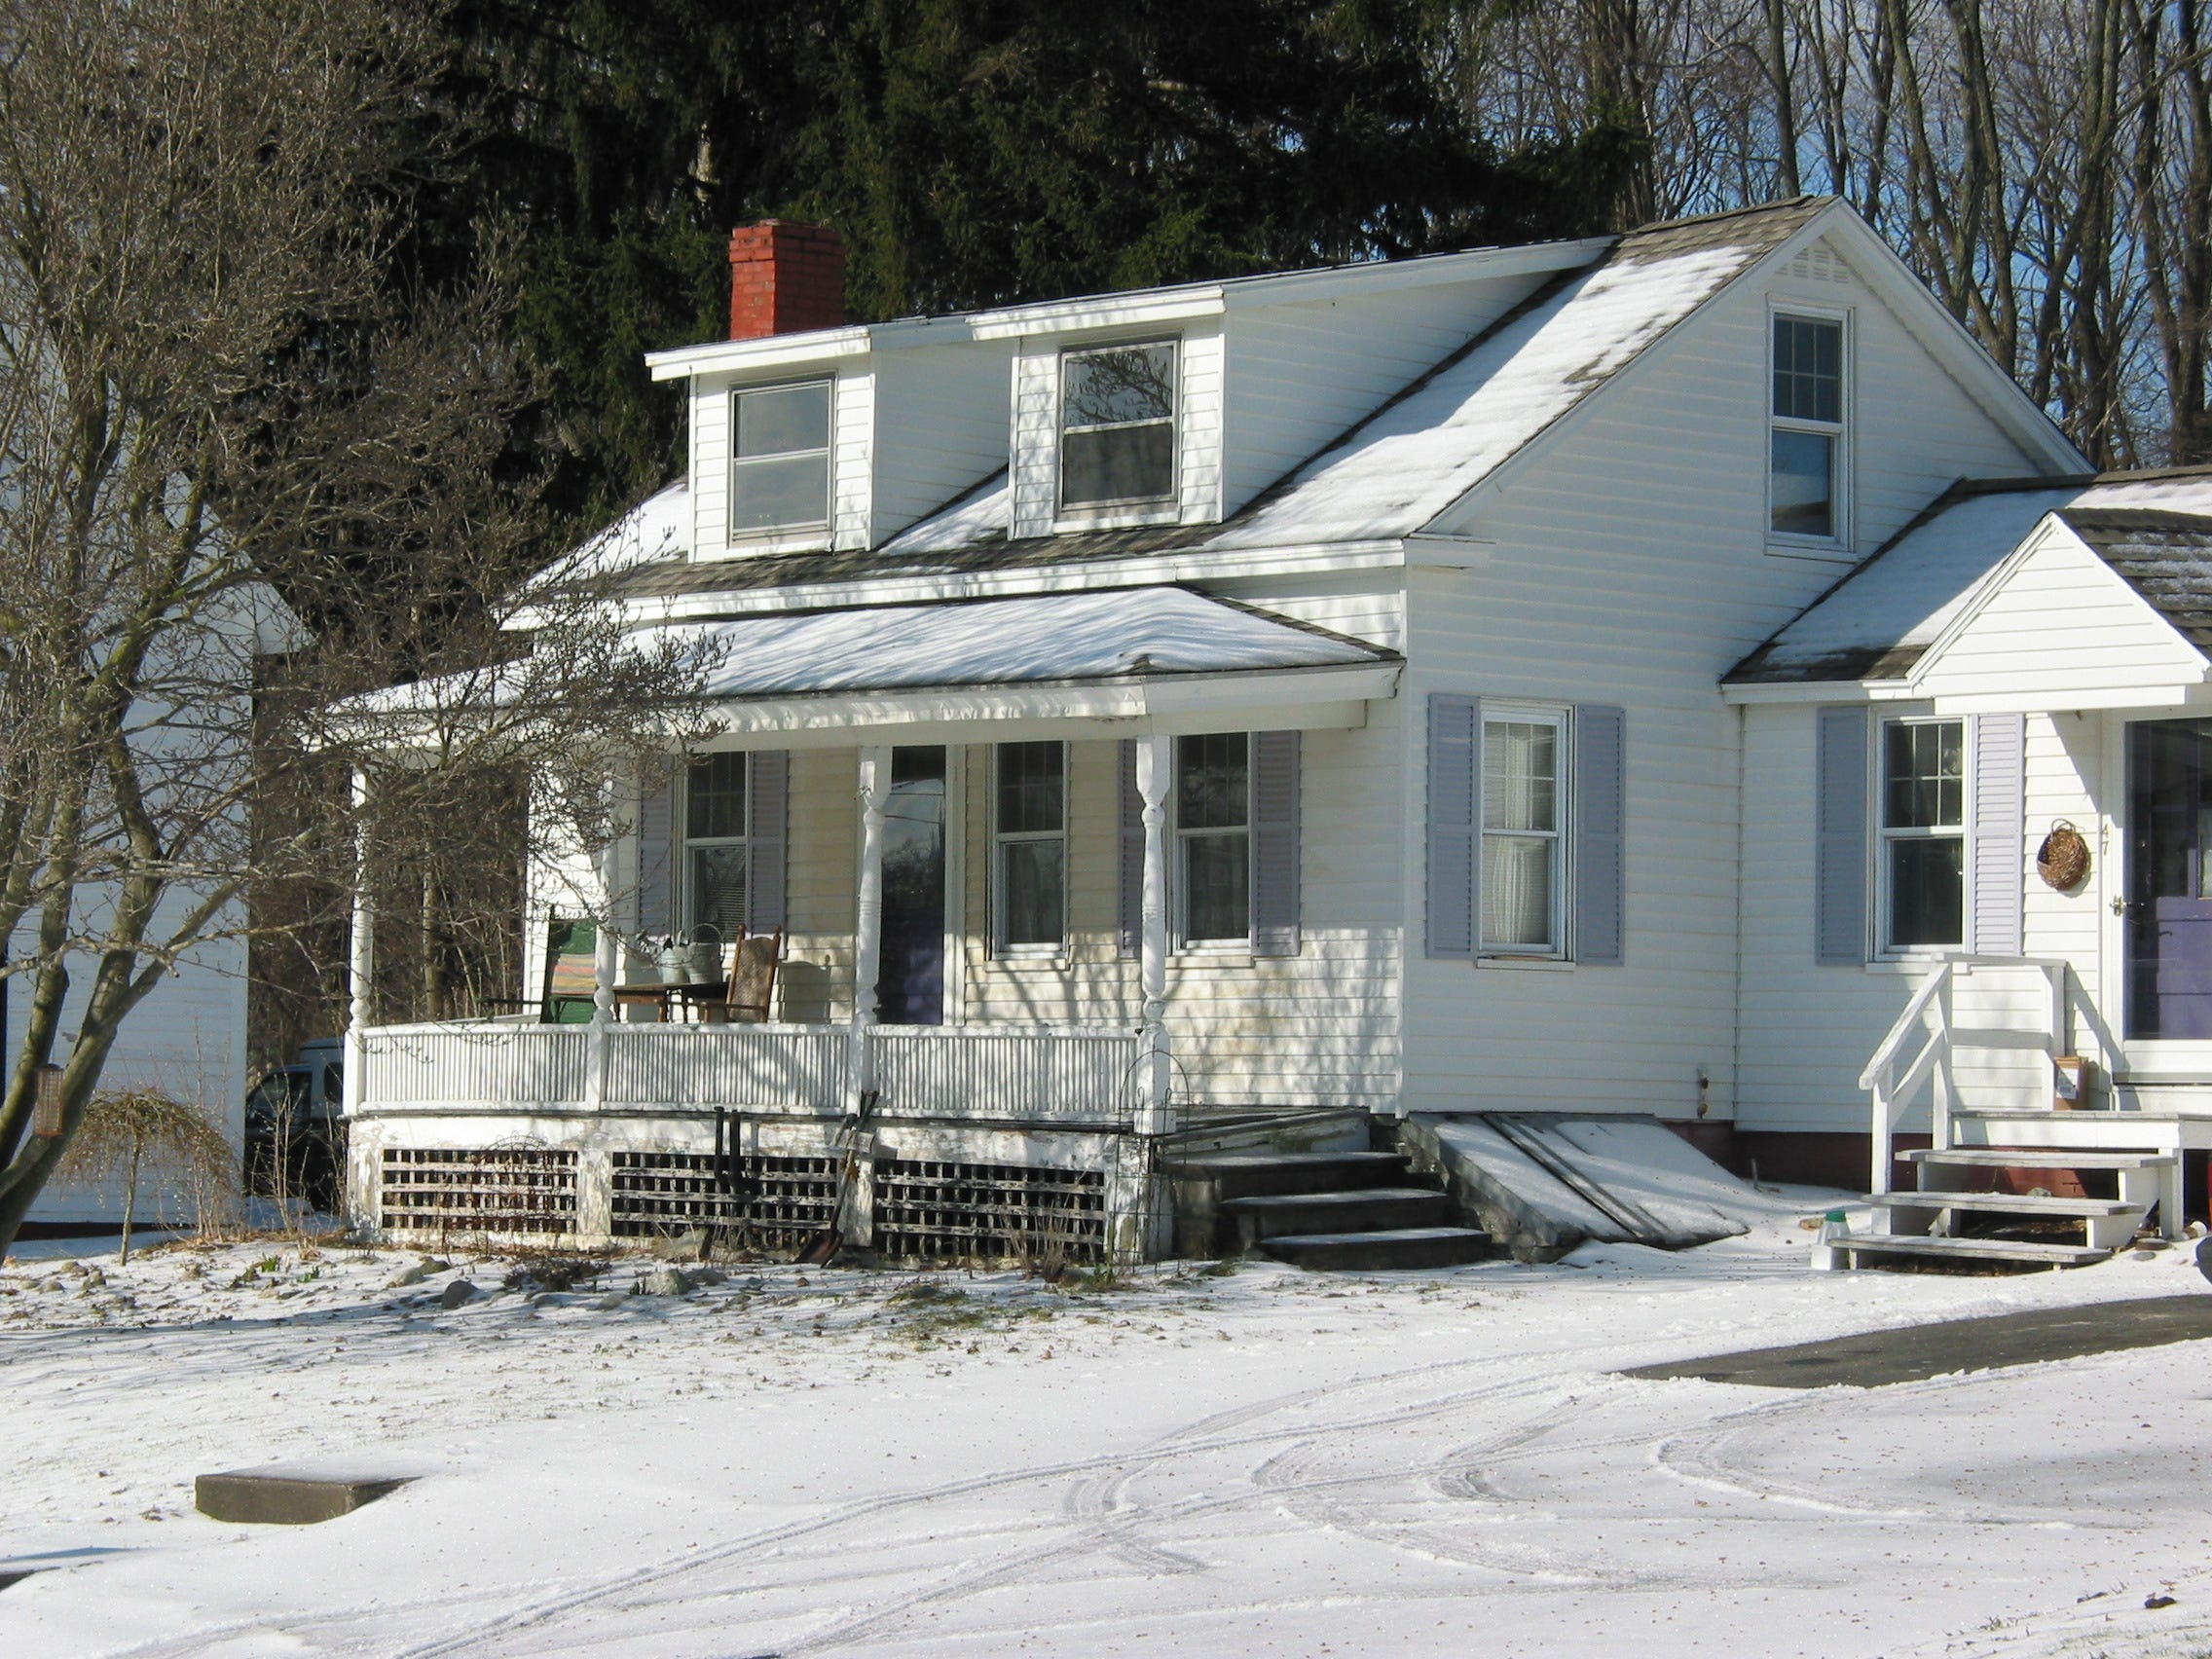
910,989
2169,879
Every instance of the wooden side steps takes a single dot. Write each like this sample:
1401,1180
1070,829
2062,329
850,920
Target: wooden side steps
2105,1224
1328,1211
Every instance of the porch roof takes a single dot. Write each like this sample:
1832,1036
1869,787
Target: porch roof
1126,653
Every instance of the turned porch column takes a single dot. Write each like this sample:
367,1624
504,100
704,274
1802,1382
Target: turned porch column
1155,766
362,959
867,911
604,943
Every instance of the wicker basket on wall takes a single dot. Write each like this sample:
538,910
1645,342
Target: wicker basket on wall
2063,859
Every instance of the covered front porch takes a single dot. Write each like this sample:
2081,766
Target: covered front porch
1041,926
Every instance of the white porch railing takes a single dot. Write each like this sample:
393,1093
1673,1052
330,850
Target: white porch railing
1085,1075
1895,1082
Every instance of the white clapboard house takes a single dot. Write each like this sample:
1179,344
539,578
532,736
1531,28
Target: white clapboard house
1580,677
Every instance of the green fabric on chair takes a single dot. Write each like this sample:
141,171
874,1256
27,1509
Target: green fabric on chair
571,949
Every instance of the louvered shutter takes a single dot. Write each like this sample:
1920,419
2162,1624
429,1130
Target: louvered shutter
1839,882
1455,837
1600,802
1275,843
1129,890
657,849
768,778
1999,859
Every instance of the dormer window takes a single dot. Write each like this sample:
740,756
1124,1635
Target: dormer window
1118,425
778,472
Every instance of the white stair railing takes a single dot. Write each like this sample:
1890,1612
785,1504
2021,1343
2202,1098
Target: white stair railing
1895,1082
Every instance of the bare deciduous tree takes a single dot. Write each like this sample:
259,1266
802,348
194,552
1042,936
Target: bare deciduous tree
248,474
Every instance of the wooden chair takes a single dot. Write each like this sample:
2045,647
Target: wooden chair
752,979
565,996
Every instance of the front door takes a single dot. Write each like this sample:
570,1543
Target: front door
2169,880
910,988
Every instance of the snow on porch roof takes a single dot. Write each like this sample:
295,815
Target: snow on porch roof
1879,621
1121,634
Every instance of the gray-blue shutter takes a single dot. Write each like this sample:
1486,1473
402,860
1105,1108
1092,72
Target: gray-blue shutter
1600,807
1455,836
1839,881
656,848
767,776
1275,843
1998,860
1129,890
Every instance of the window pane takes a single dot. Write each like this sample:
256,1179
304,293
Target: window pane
1210,781
1808,369
1216,895
783,419
1803,483
1926,891
1031,888
1520,775
717,889
786,490
1102,389
716,797
1517,891
1031,787
1121,464
1923,775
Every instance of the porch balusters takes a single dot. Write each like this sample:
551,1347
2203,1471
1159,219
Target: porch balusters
1155,766
867,921
361,955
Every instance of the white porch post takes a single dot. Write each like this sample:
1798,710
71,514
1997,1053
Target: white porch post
602,969
868,917
1154,764
362,955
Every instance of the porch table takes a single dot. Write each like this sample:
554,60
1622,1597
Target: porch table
671,1001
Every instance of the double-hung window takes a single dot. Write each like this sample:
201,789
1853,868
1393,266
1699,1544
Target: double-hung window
1806,461
1029,847
716,857
1213,839
1524,844
779,470
1118,425
1922,864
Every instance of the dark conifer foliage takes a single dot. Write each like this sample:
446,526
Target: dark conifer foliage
971,152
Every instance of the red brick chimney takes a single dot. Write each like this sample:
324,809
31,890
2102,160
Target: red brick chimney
785,278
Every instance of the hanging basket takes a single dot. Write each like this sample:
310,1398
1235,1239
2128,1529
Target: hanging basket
2063,859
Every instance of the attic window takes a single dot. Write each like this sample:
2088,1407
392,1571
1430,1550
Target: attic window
779,472
1805,456
1118,425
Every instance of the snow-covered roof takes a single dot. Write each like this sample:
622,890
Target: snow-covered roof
1877,622
1052,638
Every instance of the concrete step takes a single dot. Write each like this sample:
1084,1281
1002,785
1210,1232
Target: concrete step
1267,1174
1968,1249
1245,1222
2038,1157
2005,1203
1380,1252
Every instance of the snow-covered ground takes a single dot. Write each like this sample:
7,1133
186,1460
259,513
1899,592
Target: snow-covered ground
1259,1461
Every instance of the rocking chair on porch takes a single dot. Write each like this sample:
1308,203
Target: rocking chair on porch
752,985
572,946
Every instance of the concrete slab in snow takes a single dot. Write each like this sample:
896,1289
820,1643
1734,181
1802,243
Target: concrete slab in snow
1540,1183
289,1496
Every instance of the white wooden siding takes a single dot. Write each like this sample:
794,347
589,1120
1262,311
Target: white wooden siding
1628,565
2062,624
941,423
1035,439
1299,375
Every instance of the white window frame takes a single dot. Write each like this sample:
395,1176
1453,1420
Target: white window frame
1560,718
1136,509
687,842
1178,884
1883,837
811,532
1033,950
1837,542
